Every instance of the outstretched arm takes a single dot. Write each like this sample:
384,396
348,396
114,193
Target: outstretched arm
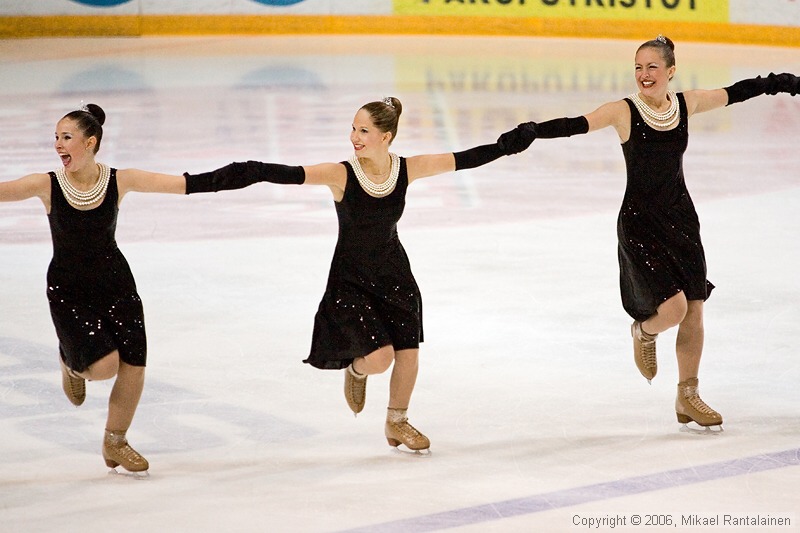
132,179
699,101
422,166
30,186
240,175
614,114
772,84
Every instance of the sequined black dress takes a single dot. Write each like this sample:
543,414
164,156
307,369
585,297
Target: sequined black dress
90,287
660,252
371,299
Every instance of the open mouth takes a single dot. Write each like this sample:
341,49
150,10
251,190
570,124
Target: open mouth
65,159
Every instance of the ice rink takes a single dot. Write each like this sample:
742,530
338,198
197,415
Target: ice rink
538,418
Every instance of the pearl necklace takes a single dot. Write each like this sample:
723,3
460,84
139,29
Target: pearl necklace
84,198
654,118
377,189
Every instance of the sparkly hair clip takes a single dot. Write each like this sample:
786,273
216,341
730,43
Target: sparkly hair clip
388,101
661,39
83,107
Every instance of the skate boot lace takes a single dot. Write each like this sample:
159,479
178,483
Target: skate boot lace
355,390
77,386
409,432
648,352
129,455
119,451
692,396
399,431
74,385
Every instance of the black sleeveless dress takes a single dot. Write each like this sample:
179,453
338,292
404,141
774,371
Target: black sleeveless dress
90,287
371,299
660,252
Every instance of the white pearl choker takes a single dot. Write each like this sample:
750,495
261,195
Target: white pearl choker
84,198
377,189
654,118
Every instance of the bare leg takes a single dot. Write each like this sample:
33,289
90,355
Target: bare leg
376,362
355,376
404,373
74,383
122,404
670,313
689,345
125,393
125,396
102,369
404,377
401,385
689,348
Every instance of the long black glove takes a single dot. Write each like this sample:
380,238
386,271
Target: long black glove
562,127
772,84
509,143
521,137
240,175
475,157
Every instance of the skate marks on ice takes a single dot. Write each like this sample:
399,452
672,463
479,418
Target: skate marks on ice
171,419
590,493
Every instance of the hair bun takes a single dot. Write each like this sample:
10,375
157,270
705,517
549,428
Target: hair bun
97,112
663,39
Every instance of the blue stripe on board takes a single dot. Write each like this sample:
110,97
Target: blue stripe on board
590,493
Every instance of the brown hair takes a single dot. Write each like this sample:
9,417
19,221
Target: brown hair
665,47
90,121
385,114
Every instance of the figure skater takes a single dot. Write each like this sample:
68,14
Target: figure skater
370,317
661,259
96,310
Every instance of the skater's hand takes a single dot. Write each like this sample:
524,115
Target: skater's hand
518,139
783,83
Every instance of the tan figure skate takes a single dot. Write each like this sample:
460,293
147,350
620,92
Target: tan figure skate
74,386
117,452
689,407
644,351
399,431
355,389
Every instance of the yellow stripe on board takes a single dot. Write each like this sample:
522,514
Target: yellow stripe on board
135,25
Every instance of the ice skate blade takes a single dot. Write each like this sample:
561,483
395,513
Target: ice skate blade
696,429
145,474
398,450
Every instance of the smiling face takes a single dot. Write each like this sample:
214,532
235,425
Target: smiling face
73,147
652,72
368,140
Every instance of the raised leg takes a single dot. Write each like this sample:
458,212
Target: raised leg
355,376
669,314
